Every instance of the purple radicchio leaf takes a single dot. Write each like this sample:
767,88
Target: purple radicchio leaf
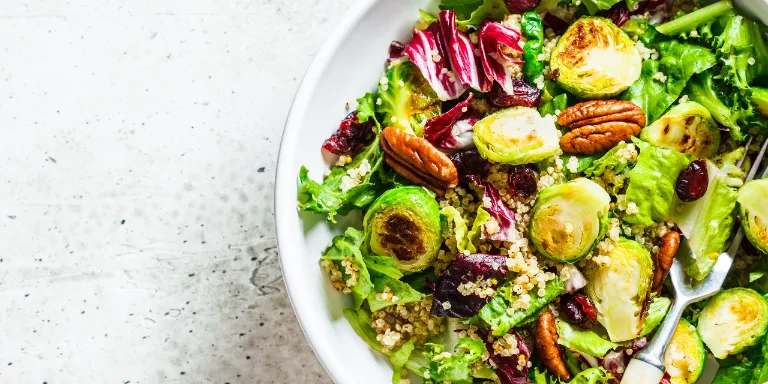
351,136
471,165
506,366
453,129
516,93
501,214
493,38
427,52
557,24
448,301
616,362
619,13
396,52
461,52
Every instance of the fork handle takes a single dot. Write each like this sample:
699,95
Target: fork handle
648,367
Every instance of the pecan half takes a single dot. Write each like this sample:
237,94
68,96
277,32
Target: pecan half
599,125
662,260
418,160
546,345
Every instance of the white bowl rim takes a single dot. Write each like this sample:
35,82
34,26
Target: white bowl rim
287,148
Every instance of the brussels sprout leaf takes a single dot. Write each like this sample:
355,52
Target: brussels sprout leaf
385,284
610,160
382,265
455,368
459,226
347,247
474,12
533,67
656,313
652,183
495,312
582,340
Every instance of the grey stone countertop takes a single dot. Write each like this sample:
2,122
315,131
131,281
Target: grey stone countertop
138,144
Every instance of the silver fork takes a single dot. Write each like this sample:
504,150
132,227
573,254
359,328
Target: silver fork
648,367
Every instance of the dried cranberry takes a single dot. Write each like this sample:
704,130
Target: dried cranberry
523,95
692,182
557,24
520,6
351,136
578,310
470,163
619,13
522,181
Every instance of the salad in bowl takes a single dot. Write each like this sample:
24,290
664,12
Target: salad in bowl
525,173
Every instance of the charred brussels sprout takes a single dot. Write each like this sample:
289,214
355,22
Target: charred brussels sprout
595,59
619,289
404,223
685,355
733,321
754,212
687,128
516,136
568,220
407,99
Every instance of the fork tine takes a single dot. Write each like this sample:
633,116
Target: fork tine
746,153
756,164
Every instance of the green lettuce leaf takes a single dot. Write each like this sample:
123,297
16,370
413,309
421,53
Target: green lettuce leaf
495,312
403,291
587,376
459,226
474,12
345,246
733,109
740,44
592,376
652,183
398,359
707,222
678,62
696,19
455,368
360,320
382,265
656,313
582,340
327,197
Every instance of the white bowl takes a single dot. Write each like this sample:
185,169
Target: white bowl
349,64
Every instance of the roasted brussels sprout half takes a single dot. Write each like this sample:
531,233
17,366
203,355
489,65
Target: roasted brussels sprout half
404,223
685,355
754,212
760,99
568,220
595,59
518,135
687,128
619,289
405,99
733,321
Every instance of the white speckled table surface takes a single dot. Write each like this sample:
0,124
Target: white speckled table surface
138,143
